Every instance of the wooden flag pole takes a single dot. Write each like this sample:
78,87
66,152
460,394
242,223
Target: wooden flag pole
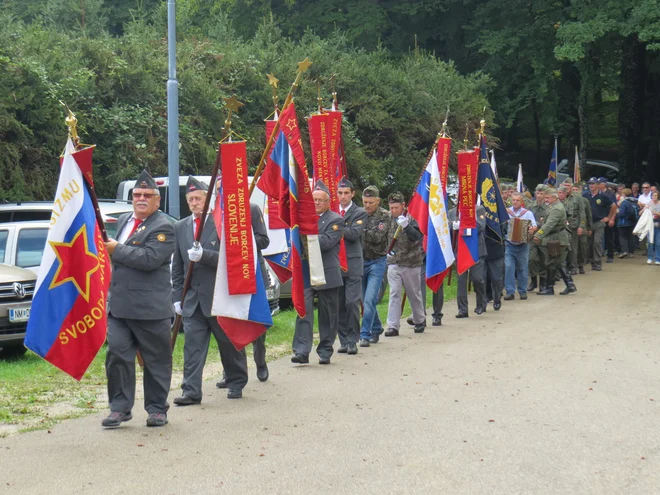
302,68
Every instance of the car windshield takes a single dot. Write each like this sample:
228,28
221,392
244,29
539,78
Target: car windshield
30,247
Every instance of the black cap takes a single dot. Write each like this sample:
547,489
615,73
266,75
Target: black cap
145,181
395,197
593,180
371,192
320,186
344,182
195,185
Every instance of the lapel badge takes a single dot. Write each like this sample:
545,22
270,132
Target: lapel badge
335,227
161,237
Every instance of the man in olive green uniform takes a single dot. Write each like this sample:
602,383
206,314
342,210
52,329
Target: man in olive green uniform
576,222
553,230
537,258
583,238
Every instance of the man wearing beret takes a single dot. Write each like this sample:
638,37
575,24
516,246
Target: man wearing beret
583,238
350,294
404,265
198,322
140,307
374,245
553,237
537,256
331,229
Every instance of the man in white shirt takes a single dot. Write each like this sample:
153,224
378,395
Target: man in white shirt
645,198
516,254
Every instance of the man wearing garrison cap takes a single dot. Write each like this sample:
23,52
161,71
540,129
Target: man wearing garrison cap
198,323
140,307
350,294
374,246
331,229
537,260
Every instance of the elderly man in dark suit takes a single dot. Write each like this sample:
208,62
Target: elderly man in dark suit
198,323
350,294
477,272
331,227
140,307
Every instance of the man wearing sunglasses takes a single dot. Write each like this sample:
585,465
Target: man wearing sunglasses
140,307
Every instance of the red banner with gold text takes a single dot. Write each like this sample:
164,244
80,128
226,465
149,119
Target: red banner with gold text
444,147
237,219
467,184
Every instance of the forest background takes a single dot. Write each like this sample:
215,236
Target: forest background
585,72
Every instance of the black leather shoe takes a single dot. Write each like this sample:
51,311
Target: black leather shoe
324,360
262,373
221,384
523,296
532,284
115,419
420,328
581,270
509,297
480,310
234,393
610,260
462,315
300,359
391,332
157,419
597,268
497,306
410,321
573,271
364,343
547,291
437,321
352,348
186,400
568,290
343,349
374,339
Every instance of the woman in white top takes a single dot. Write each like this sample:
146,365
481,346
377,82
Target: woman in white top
654,249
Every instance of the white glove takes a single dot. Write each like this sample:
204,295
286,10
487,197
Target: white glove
195,253
177,307
455,225
402,221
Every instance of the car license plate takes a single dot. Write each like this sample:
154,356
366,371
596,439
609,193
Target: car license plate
19,314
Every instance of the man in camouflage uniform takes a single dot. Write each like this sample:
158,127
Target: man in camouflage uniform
554,229
403,267
576,222
583,238
374,246
537,260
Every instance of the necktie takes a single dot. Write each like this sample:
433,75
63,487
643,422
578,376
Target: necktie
137,223
197,222
343,212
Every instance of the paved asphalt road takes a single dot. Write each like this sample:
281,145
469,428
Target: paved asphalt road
550,395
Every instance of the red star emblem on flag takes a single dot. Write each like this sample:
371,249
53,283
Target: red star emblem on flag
291,124
77,263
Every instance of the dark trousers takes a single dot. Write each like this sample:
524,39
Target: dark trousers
626,239
495,269
197,333
328,323
259,351
152,339
609,241
350,299
477,277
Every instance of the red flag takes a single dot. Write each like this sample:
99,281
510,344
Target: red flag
467,253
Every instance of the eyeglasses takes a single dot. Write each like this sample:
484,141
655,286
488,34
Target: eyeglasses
646,187
143,195
321,201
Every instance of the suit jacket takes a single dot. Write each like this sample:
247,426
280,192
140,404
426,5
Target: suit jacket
200,292
355,220
481,226
331,229
141,287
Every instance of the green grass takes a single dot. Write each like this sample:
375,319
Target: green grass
36,395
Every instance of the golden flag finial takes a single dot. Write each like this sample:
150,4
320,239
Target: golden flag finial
304,65
72,123
272,80
232,105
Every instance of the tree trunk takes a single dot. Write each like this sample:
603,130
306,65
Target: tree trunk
537,131
653,167
631,108
583,117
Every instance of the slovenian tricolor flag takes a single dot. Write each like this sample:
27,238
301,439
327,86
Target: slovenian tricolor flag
428,207
243,317
285,178
67,324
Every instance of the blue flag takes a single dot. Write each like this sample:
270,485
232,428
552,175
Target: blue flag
552,171
491,197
